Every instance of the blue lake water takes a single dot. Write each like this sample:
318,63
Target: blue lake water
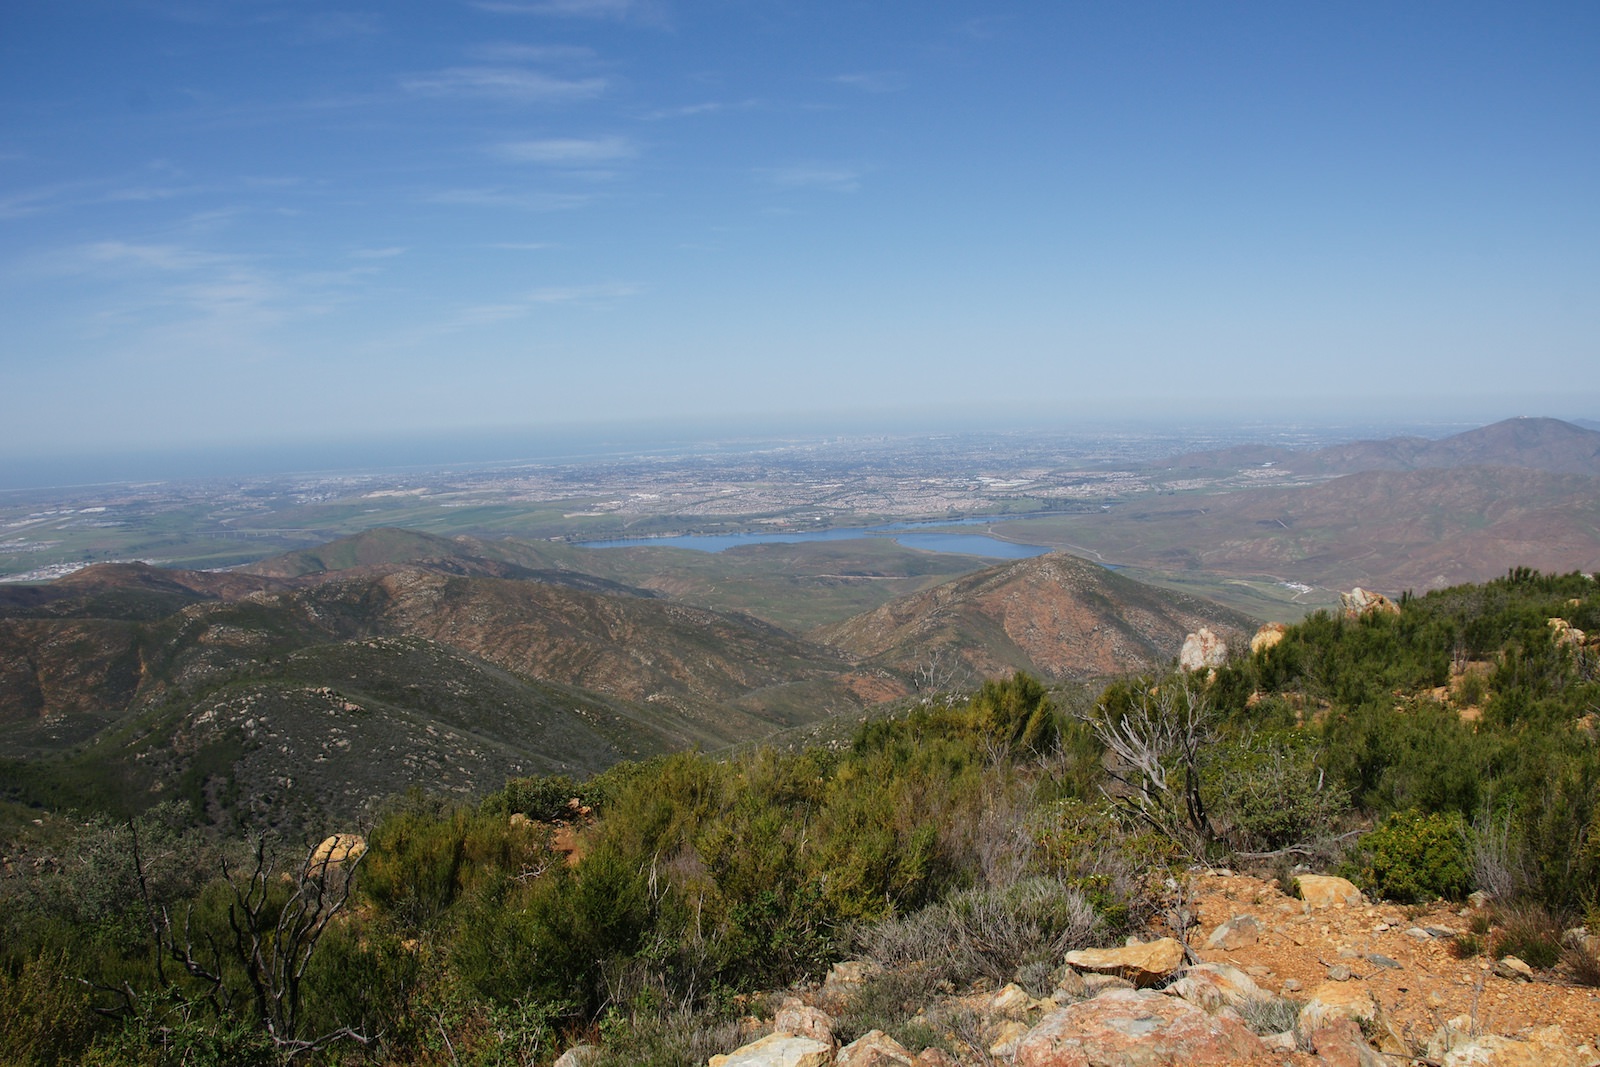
903,533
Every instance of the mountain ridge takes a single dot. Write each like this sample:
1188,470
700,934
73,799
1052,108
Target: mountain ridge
1534,442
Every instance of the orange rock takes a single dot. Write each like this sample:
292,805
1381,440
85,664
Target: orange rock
1358,602
335,852
1135,1026
1143,965
1266,637
1324,891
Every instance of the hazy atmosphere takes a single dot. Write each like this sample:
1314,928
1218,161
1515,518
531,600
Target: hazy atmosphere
245,222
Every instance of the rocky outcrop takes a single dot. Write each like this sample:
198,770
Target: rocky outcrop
1267,637
778,1050
1143,965
874,1049
1358,602
801,1020
1332,1001
1342,1044
335,852
1214,986
1455,1045
1566,634
1136,1027
1202,650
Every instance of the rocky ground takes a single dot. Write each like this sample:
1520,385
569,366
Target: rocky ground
1259,978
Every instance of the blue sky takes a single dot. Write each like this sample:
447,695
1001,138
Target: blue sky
229,221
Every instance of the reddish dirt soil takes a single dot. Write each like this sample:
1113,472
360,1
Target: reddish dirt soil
1430,986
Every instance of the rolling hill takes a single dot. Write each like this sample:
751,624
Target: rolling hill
355,684
1058,616
312,686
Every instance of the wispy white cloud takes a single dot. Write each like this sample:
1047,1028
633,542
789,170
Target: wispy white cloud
525,246
27,202
194,306
528,200
173,299
831,178
581,296
325,26
512,84
377,253
137,193
709,107
506,52
569,151
160,257
619,10
880,81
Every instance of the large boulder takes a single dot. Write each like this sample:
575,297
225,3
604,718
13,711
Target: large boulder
1566,634
1266,637
1142,965
801,1020
1324,891
1236,933
1332,1001
1358,602
335,852
1136,1028
778,1050
1214,986
874,1049
1202,650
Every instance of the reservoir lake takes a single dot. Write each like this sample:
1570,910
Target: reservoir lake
906,534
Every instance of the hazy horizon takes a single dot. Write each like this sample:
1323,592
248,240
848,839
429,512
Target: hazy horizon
595,442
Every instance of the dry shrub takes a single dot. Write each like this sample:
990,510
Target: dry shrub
1270,1015
671,1039
1584,963
1529,933
1496,856
989,931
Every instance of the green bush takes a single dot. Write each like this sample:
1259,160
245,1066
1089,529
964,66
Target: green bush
44,1013
1415,857
1270,791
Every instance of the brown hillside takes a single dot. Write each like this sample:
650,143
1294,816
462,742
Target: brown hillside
1388,530
629,647
1055,615
1534,443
